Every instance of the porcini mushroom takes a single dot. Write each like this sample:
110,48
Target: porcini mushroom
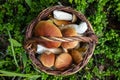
80,29
41,49
69,32
61,15
77,56
74,19
63,61
47,28
84,47
47,59
59,22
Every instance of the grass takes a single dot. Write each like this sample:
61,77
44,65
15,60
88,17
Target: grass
12,48
11,74
15,15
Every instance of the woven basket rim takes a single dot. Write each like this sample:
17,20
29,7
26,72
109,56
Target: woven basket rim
44,14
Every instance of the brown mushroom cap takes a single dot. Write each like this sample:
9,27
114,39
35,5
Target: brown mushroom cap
77,56
47,59
69,32
63,61
47,28
60,22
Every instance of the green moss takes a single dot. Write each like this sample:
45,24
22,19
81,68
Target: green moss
104,15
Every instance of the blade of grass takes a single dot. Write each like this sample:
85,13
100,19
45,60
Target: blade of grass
15,43
24,59
11,74
3,62
29,3
12,48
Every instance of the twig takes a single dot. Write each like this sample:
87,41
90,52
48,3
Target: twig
59,3
2,55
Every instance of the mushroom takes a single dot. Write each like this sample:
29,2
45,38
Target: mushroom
77,56
80,29
59,22
61,15
47,60
41,49
74,19
69,32
83,49
63,61
48,29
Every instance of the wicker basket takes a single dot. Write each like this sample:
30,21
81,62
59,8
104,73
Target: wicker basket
90,38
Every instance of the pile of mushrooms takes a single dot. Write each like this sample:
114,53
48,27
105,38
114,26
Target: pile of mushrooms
60,55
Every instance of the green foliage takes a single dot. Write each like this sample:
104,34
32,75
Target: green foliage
30,76
114,10
107,51
15,15
14,42
81,5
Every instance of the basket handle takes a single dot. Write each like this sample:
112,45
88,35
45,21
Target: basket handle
88,37
66,39
31,44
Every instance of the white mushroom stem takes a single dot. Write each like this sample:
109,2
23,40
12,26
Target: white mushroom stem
41,49
61,15
80,29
